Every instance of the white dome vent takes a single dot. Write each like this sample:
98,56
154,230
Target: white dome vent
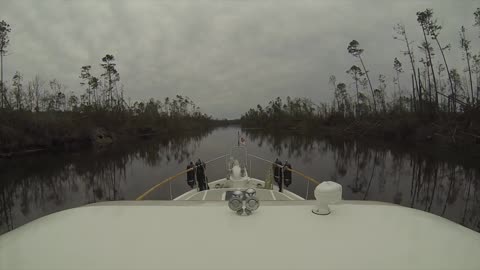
326,193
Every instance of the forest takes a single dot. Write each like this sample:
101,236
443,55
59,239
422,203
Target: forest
38,114
440,102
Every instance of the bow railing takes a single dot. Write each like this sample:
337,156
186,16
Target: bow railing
244,164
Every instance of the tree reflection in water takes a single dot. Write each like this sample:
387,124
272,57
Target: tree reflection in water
34,186
443,184
440,183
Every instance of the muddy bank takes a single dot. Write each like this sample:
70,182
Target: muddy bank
23,133
444,133
98,137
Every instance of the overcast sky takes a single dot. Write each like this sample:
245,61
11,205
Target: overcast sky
227,56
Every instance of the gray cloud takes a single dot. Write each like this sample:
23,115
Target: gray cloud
226,55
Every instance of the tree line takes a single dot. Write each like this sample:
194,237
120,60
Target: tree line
279,110
101,93
435,87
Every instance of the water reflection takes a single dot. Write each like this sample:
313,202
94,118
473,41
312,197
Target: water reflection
34,186
430,181
443,184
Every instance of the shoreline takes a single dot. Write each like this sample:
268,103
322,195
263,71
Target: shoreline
415,135
25,133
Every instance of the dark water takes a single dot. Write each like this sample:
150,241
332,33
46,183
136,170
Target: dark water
441,183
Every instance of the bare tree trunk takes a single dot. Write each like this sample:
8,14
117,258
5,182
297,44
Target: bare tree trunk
1,77
398,82
89,96
478,87
446,66
95,97
454,97
431,66
470,75
110,89
414,108
370,84
429,83
412,61
5,103
420,98
440,88
356,87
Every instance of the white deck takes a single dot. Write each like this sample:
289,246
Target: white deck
207,235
